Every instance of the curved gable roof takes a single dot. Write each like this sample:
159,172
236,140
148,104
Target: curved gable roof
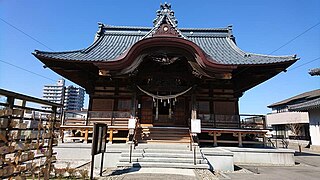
217,43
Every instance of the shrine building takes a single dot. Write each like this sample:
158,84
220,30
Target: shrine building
165,76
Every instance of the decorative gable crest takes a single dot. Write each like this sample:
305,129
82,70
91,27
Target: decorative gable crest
165,24
165,28
165,10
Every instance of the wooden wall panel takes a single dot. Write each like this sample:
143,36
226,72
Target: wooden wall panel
102,104
146,110
225,108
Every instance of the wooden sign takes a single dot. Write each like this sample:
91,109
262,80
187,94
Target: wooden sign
132,123
195,126
99,138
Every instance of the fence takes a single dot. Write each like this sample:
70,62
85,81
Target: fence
27,136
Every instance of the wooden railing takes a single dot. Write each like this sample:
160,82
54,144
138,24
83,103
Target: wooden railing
244,121
83,121
111,118
245,128
219,121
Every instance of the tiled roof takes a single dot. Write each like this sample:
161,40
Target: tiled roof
305,106
301,98
112,41
217,43
314,72
105,48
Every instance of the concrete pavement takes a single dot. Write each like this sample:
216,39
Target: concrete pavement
307,167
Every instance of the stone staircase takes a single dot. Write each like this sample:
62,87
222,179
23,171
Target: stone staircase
164,135
163,156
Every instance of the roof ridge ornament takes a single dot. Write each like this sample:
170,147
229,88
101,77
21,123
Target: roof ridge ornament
165,10
165,23
100,30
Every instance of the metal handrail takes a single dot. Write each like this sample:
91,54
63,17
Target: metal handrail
194,141
132,140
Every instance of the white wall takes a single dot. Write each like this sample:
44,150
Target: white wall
314,115
287,118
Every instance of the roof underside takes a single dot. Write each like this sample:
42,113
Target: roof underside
301,98
305,106
217,43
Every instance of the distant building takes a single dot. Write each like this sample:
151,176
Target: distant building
312,107
288,113
54,93
74,98
71,97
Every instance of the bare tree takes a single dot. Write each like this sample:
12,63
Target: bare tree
296,128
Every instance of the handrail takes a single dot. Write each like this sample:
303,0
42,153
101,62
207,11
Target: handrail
194,141
272,144
132,139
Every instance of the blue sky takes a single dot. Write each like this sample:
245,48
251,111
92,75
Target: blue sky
259,27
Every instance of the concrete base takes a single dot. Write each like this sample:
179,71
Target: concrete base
262,156
110,160
224,158
315,148
111,156
219,159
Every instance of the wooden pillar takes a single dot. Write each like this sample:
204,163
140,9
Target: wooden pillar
133,103
211,106
215,139
62,135
89,110
110,136
194,106
157,110
264,122
139,109
86,135
264,140
240,139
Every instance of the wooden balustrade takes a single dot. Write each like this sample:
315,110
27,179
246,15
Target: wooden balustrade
116,121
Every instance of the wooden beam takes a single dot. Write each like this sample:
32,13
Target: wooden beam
110,135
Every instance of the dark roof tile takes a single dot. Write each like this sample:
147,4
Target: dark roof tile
298,98
305,106
216,42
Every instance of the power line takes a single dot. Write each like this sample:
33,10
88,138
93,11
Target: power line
295,37
318,58
25,33
27,70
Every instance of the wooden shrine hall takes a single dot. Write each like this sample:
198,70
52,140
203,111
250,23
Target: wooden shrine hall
164,76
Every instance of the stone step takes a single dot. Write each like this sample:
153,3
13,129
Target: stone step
165,141
175,151
162,155
164,131
176,138
163,146
163,165
166,135
143,151
164,160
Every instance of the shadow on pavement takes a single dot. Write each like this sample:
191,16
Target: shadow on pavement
124,171
305,154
